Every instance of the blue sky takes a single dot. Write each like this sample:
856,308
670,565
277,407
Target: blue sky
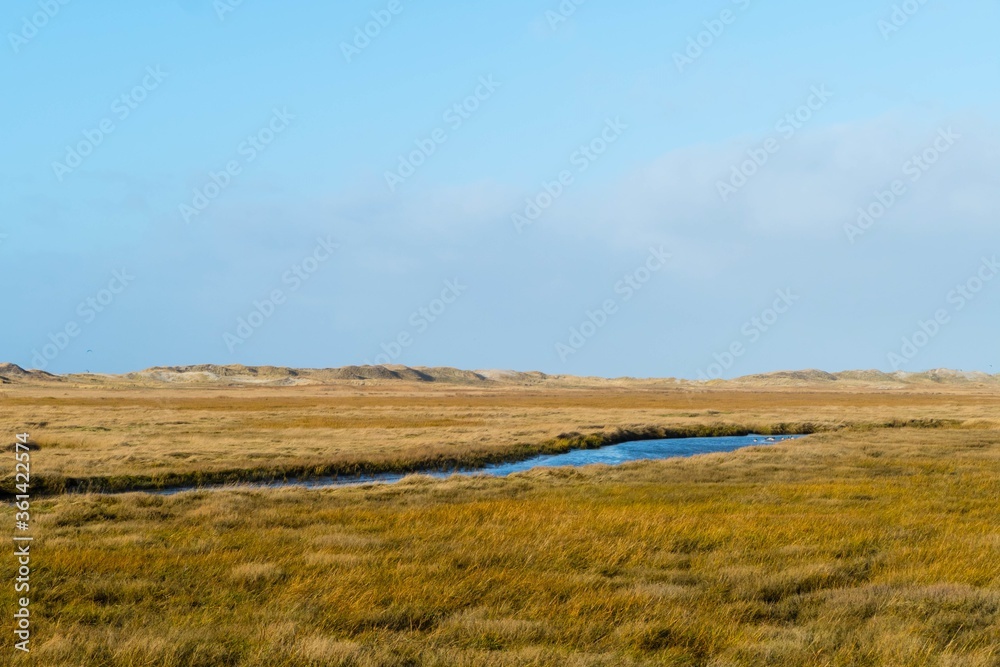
650,135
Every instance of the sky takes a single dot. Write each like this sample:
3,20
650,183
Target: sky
638,188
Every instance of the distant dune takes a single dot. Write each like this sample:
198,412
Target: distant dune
871,377
236,374
11,373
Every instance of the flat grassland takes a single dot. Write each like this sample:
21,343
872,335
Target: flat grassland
100,438
874,541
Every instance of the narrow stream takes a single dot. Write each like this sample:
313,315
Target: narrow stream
639,450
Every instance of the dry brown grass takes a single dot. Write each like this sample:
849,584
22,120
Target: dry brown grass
864,545
136,438
847,548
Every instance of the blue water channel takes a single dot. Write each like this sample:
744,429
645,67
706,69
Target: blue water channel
638,450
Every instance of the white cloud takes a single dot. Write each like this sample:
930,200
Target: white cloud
811,187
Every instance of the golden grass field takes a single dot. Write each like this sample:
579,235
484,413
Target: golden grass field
149,437
874,541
